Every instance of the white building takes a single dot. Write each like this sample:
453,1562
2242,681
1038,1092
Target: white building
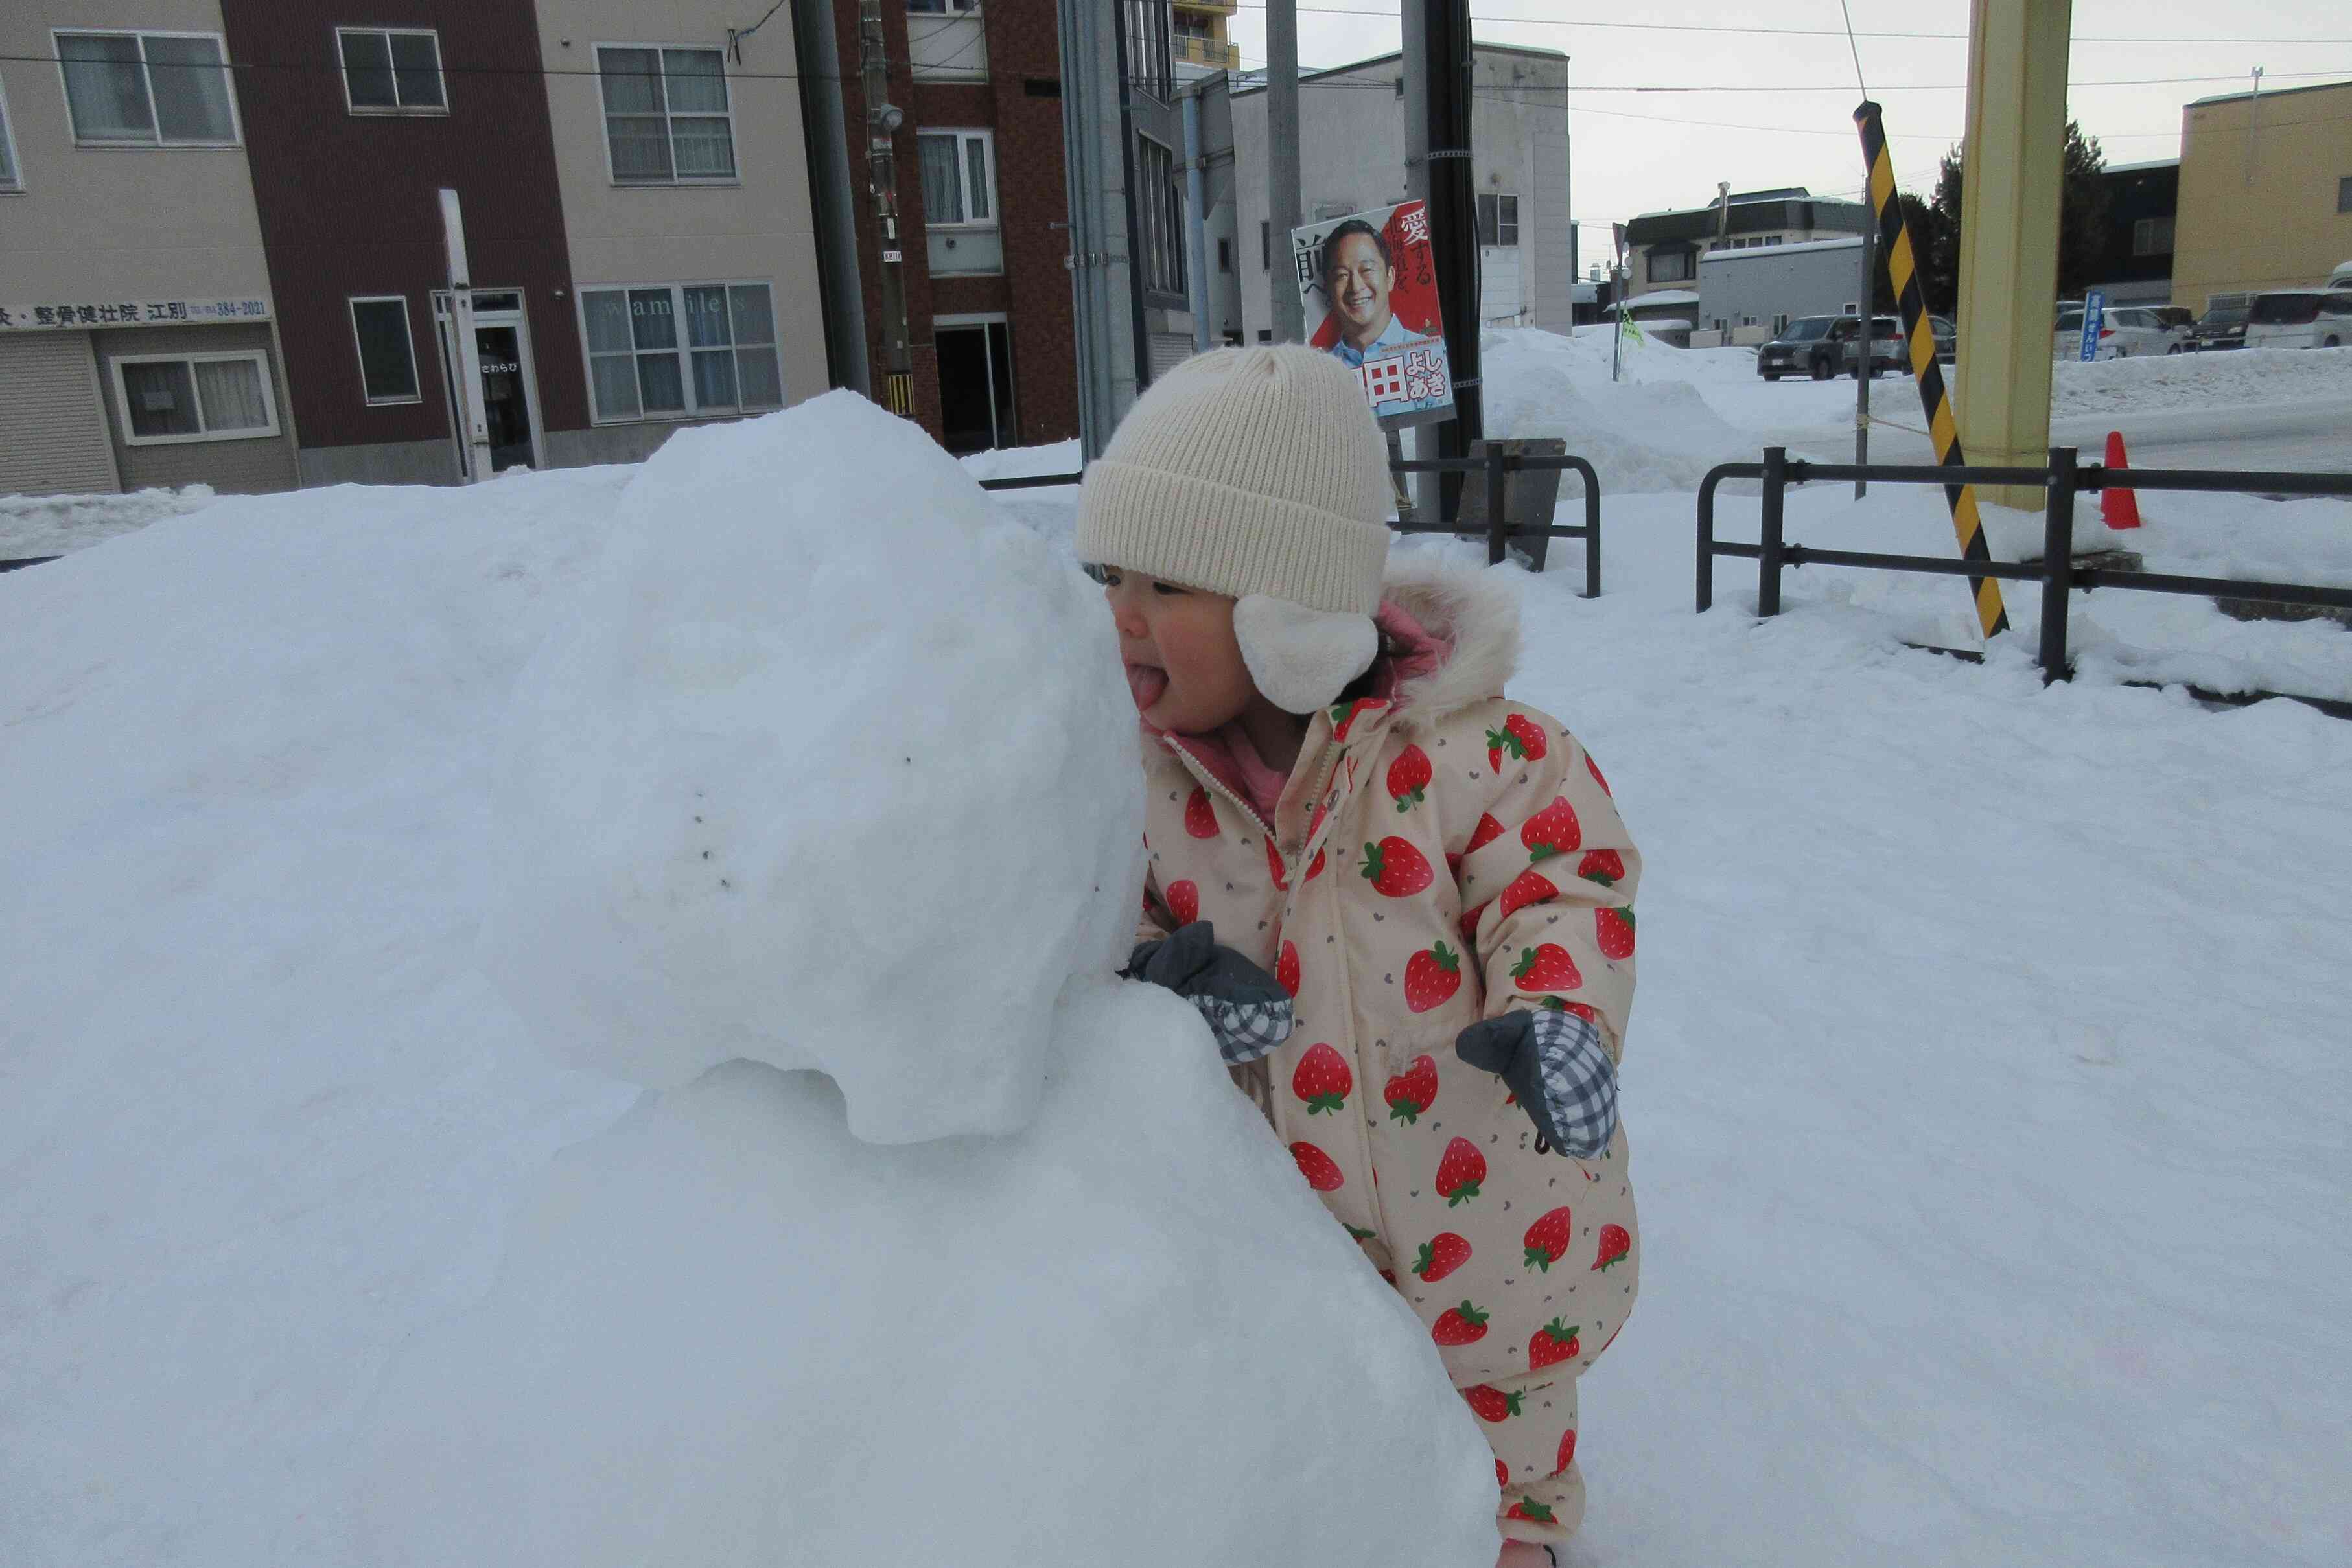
1749,296
1663,249
1351,157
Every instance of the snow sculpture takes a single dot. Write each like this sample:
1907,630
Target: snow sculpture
830,770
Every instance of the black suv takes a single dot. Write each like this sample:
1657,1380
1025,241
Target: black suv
1824,346
2223,325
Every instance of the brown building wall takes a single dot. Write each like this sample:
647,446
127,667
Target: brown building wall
348,205
1034,291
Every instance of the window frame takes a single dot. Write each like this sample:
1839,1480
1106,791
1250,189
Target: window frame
987,138
1682,258
1156,212
259,357
12,185
943,9
440,71
2343,193
359,348
2145,233
734,143
1491,202
146,77
683,350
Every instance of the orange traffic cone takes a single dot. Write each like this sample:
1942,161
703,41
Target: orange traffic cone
2118,507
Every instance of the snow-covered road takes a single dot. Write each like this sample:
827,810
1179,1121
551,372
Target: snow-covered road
2308,436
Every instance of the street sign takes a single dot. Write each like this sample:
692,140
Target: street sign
2094,310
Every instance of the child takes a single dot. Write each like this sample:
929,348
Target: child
1435,877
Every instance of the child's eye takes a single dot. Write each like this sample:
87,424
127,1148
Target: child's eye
1170,589
1100,573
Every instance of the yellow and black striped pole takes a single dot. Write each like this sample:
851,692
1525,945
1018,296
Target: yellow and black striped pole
1911,304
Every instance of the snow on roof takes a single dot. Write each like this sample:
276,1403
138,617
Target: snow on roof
1662,296
1749,252
2140,167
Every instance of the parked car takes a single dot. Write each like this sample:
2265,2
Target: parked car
1824,346
2124,330
2300,319
2223,325
1948,337
2342,276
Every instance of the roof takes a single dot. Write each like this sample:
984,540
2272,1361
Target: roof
1661,296
2150,165
1754,251
2273,92
1755,215
1254,79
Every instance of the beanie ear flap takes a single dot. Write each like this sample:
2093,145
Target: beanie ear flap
1302,659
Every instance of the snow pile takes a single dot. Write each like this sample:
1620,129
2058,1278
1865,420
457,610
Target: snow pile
1024,462
767,795
58,525
286,1277
727,1333
2148,382
1651,432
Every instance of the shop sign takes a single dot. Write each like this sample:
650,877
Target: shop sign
64,317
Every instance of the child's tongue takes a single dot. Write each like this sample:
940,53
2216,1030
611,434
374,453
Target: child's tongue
1146,683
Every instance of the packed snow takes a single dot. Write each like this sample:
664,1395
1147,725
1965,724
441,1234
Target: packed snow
767,794
1988,1077
33,526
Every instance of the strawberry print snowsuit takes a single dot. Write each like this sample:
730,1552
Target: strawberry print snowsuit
1439,855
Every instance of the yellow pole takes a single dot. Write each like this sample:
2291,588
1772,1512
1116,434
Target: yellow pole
2015,157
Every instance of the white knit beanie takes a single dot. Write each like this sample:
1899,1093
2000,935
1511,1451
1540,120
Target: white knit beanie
1259,473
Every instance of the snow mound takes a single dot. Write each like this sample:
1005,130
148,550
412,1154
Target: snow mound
58,525
727,1333
1640,435
764,795
2150,381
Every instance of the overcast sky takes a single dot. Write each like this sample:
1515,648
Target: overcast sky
1639,152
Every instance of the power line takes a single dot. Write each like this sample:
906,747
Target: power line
1581,87
1784,32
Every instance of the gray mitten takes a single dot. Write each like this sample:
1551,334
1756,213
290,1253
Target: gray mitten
1246,1009
1555,1064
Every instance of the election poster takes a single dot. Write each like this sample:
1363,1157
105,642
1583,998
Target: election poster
1370,280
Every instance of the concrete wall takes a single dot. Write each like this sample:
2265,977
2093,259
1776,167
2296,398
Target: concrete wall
1744,287
1351,157
129,223
2259,192
759,229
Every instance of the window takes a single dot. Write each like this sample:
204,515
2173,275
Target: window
392,71
1159,213
170,398
1192,25
1670,266
1499,220
2152,236
2344,193
1265,334
1265,245
147,89
1225,254
1148,67
642,365
10,180
387,354
941,7
666,120
959,177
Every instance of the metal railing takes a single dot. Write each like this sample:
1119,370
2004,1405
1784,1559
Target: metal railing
2062,480
1497,466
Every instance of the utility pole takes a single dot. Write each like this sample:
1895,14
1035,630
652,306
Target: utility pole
1861,380
1437,75
1282,202
883,119
466,355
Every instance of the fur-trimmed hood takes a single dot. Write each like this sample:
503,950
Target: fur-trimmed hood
1475,612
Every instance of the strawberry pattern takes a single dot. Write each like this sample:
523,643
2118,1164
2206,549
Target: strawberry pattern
1473,851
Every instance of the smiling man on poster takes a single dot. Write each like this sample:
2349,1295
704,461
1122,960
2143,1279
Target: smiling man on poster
1358,277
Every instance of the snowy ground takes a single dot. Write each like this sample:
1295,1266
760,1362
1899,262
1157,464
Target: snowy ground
1987,1085
58,525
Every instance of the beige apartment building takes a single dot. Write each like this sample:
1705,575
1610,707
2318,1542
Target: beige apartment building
2265,191
138,330
656,230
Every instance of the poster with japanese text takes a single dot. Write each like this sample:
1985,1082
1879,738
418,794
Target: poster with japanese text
1370,280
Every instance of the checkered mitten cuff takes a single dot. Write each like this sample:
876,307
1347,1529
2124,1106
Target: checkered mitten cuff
1245,1008
1560,1070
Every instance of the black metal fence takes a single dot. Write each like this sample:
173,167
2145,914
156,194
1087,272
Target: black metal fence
2062,480
1497,466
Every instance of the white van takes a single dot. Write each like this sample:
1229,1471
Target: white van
2300,319
2342,276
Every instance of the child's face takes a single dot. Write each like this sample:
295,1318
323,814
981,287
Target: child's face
1183,665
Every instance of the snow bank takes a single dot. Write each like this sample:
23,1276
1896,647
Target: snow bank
1653,432
58,525
727,1333
2237,376
768,794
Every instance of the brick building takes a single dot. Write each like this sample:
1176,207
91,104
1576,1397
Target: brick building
983,201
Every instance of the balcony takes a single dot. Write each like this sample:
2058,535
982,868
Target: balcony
1215,7
1206,52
